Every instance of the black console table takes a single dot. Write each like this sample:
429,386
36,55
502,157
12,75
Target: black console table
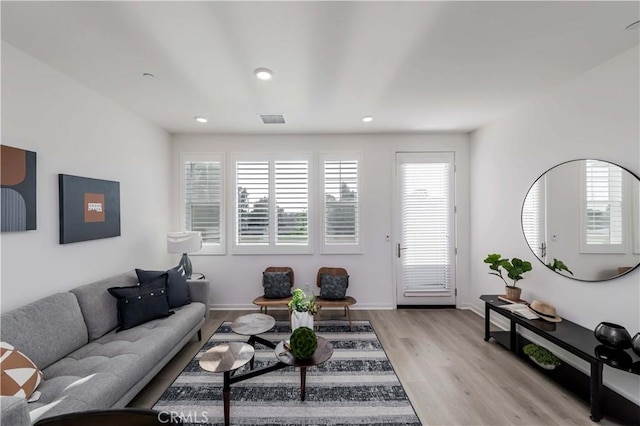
572,337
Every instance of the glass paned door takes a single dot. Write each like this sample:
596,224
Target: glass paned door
425,247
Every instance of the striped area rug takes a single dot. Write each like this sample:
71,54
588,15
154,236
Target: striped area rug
356,386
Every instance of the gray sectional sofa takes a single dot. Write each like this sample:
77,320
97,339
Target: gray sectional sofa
71,337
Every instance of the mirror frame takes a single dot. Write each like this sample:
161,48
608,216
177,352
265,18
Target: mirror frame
525,236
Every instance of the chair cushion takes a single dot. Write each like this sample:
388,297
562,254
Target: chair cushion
277,285
333,287
177,288
19,375
139,304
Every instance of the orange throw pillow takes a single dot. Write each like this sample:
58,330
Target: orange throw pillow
20,376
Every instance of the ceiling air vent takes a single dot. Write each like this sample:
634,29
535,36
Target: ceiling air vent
272,118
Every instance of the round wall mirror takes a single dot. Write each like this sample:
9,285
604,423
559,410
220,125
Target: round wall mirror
581,219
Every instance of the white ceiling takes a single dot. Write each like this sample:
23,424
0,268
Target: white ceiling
414,66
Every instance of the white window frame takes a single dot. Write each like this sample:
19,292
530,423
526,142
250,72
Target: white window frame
207,248
601,248
340,248
272,247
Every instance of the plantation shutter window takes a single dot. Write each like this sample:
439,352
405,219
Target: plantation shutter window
252,203
341,197
202,194
603,220
292,202
427,216
272,204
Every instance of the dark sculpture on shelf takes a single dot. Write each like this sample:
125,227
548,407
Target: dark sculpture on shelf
612,335
635,344
615,358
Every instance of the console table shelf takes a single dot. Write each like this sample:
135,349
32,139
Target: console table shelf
579,341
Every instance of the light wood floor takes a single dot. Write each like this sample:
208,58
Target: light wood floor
452,376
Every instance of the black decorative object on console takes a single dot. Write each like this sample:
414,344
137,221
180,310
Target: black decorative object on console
614,358
635,344
612,335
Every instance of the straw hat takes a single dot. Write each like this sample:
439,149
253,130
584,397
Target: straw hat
545,311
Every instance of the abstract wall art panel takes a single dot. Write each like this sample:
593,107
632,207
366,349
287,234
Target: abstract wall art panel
89,209
18,181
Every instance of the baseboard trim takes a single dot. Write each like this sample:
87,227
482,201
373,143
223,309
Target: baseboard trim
426,307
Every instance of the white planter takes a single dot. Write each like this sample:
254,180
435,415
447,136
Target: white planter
301,319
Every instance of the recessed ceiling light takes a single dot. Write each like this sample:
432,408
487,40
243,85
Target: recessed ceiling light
367,119
633,26
263,73
200,119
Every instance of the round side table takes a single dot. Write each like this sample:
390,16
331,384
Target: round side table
322,354
252,325
225,358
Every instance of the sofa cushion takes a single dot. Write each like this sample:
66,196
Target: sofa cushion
46,330
19,376
99,373
141,303
98,306
177,288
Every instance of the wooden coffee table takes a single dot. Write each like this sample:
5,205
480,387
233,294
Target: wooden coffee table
225,358
228,357
252,325
322,354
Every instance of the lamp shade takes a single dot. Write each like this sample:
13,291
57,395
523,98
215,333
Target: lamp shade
184,242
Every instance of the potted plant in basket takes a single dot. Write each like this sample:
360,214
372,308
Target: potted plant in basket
302,309
515,270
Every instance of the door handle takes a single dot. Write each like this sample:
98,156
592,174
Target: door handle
400,249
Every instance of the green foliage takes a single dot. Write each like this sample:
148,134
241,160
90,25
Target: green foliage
558,265
515,268
540,354
301,303
303,343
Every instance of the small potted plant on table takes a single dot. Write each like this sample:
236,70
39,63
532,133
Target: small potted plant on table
302,309
515,270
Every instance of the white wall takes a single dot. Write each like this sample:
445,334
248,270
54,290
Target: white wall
73,130
594,116
236,279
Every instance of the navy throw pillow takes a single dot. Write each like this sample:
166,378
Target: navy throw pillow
277,285
333,287
141,303
177,287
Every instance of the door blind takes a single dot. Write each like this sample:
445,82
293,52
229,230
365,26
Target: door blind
532,216
203,195
427,224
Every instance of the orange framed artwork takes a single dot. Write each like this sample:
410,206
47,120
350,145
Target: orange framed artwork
89,208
